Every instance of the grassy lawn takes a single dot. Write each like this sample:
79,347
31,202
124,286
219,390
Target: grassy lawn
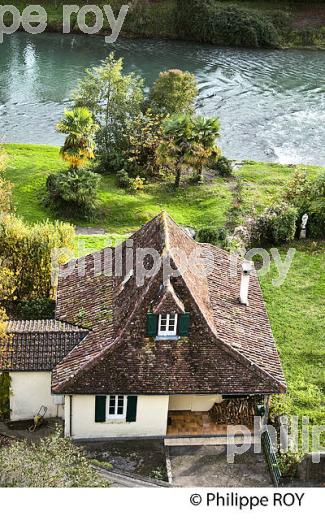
297,314
264,182
119,212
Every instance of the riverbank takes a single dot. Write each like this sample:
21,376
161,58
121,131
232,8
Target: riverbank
241,23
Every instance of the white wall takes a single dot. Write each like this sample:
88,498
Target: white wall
29,391
152,412
193,403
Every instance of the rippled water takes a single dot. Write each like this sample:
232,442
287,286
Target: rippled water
271,103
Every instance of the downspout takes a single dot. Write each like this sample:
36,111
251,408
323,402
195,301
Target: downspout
70,419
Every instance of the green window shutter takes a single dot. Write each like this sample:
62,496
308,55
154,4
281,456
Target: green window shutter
131,411
100,408
183,324
152,325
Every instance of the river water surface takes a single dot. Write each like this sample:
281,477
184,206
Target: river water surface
271,103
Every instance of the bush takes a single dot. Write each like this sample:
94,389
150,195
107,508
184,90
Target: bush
5,195
308,197
276,225
211,235
27,251
53,462
136,184
223,166
123,179
73,190
206,21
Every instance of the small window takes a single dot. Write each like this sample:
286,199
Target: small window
116,406
167,325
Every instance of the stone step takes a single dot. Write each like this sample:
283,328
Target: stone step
208,441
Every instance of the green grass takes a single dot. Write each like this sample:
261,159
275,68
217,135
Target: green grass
119,212
263,183
297,315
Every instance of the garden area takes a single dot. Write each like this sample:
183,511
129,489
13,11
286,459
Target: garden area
129,154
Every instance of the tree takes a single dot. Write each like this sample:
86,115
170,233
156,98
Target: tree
174,92
79,145
188,142
144,141
115,100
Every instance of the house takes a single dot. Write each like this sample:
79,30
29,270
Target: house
144,347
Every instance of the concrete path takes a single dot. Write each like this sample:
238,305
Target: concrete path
207,466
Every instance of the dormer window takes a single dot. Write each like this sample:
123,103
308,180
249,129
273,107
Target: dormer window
167,325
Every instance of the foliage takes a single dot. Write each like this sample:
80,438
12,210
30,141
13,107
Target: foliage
211,235
73,191
41,309
4,393
136,184
288,463
276,225
223,166
308,196
207,21
79,145
53,462
188,142
144,140
114,100
3,158
174,92
123,179
5,196
29,251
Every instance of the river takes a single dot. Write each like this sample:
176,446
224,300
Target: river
271,103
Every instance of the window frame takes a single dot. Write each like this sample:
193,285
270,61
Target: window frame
167,333
116,416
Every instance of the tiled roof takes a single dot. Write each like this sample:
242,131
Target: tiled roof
230,348
39,345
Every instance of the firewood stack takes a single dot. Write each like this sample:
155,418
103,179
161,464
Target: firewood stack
234,411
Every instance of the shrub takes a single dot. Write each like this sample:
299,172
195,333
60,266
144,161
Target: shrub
308,197
53,462
211,235
223,166
136,184
276,225
206,21
4,395
123,179
27,251
174,92
73,190
5,196
288,463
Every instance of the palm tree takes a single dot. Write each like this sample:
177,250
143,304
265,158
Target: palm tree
79,144
188,141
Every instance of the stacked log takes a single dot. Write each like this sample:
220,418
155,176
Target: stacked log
234,411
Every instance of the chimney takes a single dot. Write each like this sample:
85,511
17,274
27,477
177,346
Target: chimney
247,267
